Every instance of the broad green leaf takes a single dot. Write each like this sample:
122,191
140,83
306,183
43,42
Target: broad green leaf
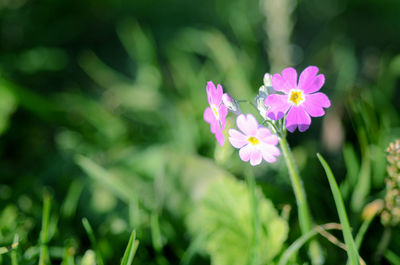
224,218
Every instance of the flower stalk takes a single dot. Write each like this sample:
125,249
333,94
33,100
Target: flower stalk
251,184
303,209
297,100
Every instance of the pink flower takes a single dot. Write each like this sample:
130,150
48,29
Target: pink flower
299,100
215,115
255,142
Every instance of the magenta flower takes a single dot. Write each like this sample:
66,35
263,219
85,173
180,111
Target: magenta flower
255,142
299,100
215,115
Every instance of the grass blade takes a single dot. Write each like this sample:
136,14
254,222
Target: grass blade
301,241
348,237
92,239
130,250
393,258
70,203
116,186
7,249
156,237
295,246
44,233
14,258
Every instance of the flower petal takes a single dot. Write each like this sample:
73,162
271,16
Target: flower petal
309,81
286,81
262,133
223,111
272,139
237,139
280,84
256,157
290,75
269,152
245,152
219,136
297,117
247,124
315,103
278,106
218,95
210,118
210,88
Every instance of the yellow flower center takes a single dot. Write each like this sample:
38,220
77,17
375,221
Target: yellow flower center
253,140
296,96
215,110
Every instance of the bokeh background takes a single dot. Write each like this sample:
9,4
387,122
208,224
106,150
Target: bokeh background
101,108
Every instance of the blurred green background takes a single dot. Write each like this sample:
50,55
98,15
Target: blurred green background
101,107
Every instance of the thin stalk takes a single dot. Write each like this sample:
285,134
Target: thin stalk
301,200
14,259
296,245
44,258
251,184
383,244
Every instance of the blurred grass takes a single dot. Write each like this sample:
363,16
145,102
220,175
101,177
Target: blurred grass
352,250
102,103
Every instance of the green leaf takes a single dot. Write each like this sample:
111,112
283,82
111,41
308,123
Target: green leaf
130,249
348,237
224,219
8,104
118,187
392,257
44,233
296,245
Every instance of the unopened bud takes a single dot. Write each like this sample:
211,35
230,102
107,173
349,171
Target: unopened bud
231,103
262,109
266,89
268,80
262,91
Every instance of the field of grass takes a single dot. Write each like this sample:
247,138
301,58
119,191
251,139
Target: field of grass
105,157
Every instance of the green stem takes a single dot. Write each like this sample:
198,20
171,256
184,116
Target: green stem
44,233
255,218
383,244
301,200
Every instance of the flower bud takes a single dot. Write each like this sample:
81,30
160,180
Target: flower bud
266,89
268,80
262,109
262,91
231,104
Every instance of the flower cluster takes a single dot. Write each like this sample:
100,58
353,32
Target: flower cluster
283,102
391,212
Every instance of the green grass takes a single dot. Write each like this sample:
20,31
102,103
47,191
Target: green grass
130,250
101,119
44,233
352,250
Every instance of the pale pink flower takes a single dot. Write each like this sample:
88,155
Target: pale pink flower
255,142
